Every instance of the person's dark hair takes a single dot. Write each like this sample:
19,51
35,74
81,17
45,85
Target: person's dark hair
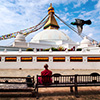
46,66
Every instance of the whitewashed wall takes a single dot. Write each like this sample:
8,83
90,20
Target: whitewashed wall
52,65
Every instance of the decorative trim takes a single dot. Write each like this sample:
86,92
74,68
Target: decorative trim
58,59
93,59
26,59
51,25
76,59
51,9
42,59
10,59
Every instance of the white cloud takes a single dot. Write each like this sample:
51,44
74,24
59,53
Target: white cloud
66,9
65,31
79,2
87,29
98,4
90,34
20,14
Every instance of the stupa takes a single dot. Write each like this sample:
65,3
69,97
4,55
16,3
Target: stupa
51,36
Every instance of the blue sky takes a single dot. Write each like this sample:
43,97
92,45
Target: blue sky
16,15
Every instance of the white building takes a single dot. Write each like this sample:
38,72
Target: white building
16,56
49,37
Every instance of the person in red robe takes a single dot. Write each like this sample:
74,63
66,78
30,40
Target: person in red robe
44,79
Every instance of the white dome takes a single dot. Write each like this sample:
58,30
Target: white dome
20,38
85,41
50,34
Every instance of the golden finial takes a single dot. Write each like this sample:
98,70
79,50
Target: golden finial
51,23
50,4
50,9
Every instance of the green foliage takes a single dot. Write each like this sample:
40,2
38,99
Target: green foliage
79,49
60,48
54,49
29,49
46,49
69,49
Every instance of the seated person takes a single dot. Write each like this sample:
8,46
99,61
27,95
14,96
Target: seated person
46,72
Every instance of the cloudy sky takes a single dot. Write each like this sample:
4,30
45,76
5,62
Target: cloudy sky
16,15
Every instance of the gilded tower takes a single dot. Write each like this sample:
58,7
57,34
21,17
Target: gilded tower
51,23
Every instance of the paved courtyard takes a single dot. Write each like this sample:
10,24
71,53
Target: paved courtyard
34,72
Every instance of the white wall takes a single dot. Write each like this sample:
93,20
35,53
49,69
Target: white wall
53,65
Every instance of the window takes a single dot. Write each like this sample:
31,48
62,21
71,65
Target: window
58,59
42,59
93,59
26,59
76,59
10,59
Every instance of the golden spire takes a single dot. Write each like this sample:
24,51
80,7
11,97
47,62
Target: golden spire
50,4
50,9
51,23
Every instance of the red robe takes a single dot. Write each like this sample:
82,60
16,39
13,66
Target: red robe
46,80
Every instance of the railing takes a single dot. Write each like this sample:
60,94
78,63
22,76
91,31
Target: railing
88,79
72,79
69,81
63,79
